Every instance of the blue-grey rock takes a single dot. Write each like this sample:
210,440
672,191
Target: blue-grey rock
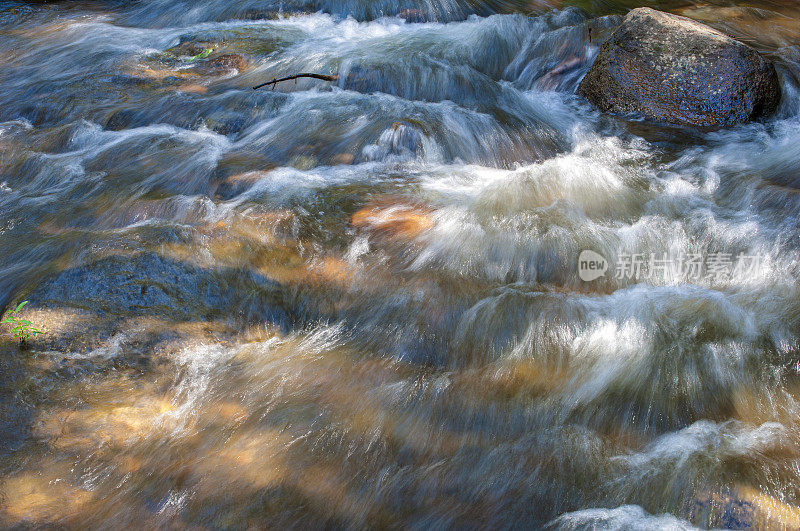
672,69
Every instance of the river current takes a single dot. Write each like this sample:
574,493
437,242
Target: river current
359,303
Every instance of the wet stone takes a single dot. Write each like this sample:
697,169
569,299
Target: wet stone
142,284
672,69
124,119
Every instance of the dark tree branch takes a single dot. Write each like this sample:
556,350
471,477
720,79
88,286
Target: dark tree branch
274,82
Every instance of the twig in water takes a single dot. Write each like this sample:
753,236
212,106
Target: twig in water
289,78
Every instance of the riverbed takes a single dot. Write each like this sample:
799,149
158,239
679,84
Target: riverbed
359,303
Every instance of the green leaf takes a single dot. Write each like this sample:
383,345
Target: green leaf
23,303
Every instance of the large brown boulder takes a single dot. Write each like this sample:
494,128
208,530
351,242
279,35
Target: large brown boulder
673,69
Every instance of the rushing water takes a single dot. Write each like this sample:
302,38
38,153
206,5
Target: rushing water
358,303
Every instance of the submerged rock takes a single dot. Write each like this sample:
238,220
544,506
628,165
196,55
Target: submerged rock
146,283
759,27
673,69
743,507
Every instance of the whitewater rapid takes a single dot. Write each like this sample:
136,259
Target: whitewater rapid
359,303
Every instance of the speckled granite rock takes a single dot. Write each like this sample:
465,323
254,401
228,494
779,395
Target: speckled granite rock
673,69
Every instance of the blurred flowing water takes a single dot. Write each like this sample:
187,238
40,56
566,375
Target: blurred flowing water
357,304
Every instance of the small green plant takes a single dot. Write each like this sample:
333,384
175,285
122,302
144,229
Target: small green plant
202,55
21,329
